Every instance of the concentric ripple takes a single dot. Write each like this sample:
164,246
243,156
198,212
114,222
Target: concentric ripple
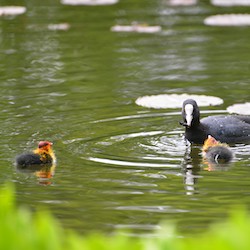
121,145
136,141
153,149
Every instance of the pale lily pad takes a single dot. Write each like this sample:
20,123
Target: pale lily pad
228,20
182,2
12,10
59,26
241,108
89,2
231,2
140,28
175,100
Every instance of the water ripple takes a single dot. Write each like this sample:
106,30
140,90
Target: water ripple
159,209
134,164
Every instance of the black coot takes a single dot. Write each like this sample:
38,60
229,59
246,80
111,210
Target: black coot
229,129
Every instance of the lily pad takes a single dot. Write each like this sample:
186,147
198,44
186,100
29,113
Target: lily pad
228,20
140,28
12,10
182,2
230,2
241,108
59,26
89,2
176,100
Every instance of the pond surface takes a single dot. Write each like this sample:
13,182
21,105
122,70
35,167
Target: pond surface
119,165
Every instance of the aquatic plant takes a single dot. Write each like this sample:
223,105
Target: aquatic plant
20,229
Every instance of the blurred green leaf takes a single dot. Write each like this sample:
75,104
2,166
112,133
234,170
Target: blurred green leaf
23,231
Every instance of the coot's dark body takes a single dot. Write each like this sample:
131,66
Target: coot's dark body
228,129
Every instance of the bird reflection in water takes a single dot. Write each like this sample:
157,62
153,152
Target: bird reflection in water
191,167
214,156
44,172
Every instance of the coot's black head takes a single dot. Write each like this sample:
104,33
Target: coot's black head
190,113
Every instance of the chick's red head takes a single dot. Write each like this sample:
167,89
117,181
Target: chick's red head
210,142
44,144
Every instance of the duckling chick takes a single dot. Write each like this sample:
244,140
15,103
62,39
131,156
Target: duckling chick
216,152
42,155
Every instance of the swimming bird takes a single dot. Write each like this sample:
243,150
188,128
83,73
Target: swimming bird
225,128
40,156
216,152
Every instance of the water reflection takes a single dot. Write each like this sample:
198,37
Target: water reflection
217,167
44,172
42,61
193,164
191,168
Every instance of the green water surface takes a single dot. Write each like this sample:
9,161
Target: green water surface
120,166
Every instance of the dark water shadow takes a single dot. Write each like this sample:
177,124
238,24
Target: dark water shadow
44,172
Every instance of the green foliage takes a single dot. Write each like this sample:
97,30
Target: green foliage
23,231
19,230
233,234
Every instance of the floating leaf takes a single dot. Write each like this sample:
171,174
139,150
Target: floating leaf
89,2
175,100
12,10
241,108
135,27
228,20
230,2
182,2
59,26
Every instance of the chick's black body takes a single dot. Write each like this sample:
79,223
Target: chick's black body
28,159
219,154
229,129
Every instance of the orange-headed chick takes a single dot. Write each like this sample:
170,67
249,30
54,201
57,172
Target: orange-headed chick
216,152
42,155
